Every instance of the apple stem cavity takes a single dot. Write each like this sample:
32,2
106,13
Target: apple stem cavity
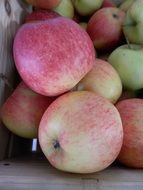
115,16
56,144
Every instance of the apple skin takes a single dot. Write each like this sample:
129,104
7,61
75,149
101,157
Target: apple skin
77,131
133,23
102,79
23,110
105,28
65,8
53,56
44,4
128,62
108,3
131,111
125,5
39,15
87,7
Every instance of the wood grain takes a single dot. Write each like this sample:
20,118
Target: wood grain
31,174
11,14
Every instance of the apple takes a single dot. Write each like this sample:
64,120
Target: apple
133,23
87,7
128,61
81,132
53,56
102,79
65,8
23,110
108,3
105,28
39,15
44,4
131,112
125,5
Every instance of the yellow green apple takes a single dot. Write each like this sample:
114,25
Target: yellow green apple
87,7
128,61
102,79
65,8
133,23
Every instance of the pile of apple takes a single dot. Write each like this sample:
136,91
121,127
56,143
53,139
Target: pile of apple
81,64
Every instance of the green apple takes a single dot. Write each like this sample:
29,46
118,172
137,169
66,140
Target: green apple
126,5
65,8
128,61
133,23
87,7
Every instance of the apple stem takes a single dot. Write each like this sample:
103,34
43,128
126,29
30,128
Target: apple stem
128,43
6,81
56,144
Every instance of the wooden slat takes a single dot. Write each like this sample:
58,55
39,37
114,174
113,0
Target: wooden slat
26,174
11,13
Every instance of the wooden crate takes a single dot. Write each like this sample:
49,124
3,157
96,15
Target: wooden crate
21,169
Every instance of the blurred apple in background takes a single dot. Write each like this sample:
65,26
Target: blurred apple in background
105,28
133,23
23,110
45,4
108,3
125,5
53,56
131,112
81,132
65,8
102,79
38,15
87,7
128,62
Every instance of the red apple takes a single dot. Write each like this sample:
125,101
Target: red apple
102,79
45,4
105,28
81,132
108,3
53,56
131,111
39,15
22,111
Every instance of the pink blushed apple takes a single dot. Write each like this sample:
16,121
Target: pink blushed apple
81,132
53,56
102,79
131,111
108,3
105,28
23,110
39,15
44,4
